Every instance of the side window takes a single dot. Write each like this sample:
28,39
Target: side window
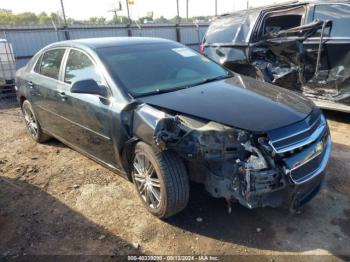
275,22
51,62
79,67
339,14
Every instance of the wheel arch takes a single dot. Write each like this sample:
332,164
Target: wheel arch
22,98
127,154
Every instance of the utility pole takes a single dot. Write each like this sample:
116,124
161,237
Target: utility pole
66,33
127,9
63,14
216,7
177,11
186,10
177,28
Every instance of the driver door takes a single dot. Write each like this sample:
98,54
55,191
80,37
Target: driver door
88,117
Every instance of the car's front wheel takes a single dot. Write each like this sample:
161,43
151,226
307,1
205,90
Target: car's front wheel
33,124
161,180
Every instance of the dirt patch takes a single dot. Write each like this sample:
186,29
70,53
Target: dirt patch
53,200
343,223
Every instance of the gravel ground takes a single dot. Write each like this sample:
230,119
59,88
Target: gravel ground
53,200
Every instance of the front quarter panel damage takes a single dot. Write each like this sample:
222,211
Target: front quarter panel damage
226,160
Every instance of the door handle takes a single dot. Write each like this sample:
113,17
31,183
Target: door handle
30,84
62,95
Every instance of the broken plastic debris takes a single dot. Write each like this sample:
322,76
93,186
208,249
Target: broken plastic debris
136,245
199,219
229,208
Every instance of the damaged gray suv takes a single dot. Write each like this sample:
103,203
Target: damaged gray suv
301,46
161,115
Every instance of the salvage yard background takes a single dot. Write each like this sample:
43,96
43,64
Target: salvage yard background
27,40
53,200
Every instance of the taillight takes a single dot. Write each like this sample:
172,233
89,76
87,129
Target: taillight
201,48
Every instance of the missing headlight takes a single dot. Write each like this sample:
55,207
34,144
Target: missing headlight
256,160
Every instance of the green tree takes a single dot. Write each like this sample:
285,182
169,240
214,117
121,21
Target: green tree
161,20
56,19
176,19
96,21
26,18
6,17
44,19
145,18
119,20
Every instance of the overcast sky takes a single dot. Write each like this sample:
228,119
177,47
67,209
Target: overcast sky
82,9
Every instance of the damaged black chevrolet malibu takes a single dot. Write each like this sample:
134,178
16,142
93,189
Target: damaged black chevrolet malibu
301,46
161,115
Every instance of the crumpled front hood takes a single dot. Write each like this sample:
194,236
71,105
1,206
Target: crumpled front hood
239,102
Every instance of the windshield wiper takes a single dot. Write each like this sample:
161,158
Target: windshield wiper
203,81
213,79
162,91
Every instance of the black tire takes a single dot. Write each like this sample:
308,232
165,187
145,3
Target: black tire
31,122
172,176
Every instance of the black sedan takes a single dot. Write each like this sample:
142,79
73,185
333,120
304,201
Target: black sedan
161,114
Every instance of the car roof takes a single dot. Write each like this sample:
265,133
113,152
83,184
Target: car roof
95,43
246,20
256,10
282,5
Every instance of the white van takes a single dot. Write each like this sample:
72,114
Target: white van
7,64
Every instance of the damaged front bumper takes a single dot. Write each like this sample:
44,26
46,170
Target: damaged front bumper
283,167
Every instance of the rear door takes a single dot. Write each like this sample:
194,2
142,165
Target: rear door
88,118
331,78
43,86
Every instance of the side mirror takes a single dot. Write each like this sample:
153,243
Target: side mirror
88,86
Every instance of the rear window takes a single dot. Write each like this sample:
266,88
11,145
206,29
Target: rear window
339,14
232,29
223,30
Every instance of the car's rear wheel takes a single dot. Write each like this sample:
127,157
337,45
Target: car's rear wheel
32,123
161,180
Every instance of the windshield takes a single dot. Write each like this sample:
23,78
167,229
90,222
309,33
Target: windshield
157,68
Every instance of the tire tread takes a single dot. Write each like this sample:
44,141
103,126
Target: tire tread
175,179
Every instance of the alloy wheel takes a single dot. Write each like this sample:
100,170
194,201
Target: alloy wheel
30,121
146,180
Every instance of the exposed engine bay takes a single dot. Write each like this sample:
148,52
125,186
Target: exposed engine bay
234,164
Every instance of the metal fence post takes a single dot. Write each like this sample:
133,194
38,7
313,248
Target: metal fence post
66,32
178,35
129,30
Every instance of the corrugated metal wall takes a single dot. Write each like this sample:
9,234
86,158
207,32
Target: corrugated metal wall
26,41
